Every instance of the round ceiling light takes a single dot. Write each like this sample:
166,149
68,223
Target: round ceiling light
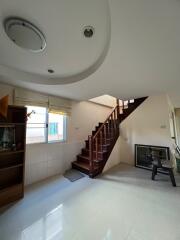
25,34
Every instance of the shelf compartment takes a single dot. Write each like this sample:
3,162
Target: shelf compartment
10,152
11,160
11,193
6,125
10,167
11,176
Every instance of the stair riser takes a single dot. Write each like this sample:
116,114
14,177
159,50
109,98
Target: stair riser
110,122
85,160
99,145
108,129
100,148
83,170
85,152
108,135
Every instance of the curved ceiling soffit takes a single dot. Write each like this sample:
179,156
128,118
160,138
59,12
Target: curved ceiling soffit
16,74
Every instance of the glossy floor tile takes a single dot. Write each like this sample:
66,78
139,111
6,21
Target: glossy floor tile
122,204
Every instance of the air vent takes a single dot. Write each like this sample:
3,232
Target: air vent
88,31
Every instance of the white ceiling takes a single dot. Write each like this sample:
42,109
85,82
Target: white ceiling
143,57
68,52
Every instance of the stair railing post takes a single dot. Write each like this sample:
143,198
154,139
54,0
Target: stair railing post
112,123
118,110
91,162
110,119
101,143
96,147
115,120
108,127
117,117
105,134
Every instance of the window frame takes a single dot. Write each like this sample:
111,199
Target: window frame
46,129
64,128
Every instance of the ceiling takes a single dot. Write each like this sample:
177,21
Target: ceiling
140,56
69,53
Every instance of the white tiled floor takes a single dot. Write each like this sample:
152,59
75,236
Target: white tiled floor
123,204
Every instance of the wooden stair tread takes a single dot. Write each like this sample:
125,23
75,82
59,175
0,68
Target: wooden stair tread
87,158
103,144
84,165
103,151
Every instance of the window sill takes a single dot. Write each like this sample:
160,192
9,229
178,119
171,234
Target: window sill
59,141
42,143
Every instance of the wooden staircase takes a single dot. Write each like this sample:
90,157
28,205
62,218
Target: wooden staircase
100,144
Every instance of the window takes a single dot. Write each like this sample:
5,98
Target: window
56,127
36,125
44,127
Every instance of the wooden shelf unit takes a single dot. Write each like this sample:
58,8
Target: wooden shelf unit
12,161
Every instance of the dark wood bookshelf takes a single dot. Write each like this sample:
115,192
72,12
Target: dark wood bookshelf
12,157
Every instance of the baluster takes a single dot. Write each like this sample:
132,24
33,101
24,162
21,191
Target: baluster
112,122
118,116
110,119
91,162
97,147
105,134
108,126
114,119
115,114
117,121
101,143
118,110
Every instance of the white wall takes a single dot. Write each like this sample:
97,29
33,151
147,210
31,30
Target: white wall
6,90
175,99
148,124
114,158
106,100
84,117
45,160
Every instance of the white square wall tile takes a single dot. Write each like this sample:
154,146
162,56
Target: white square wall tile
36,153
37,172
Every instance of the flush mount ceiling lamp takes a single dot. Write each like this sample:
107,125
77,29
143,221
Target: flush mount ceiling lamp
25,34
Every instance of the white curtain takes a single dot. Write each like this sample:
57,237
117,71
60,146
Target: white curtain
24,97
59,105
